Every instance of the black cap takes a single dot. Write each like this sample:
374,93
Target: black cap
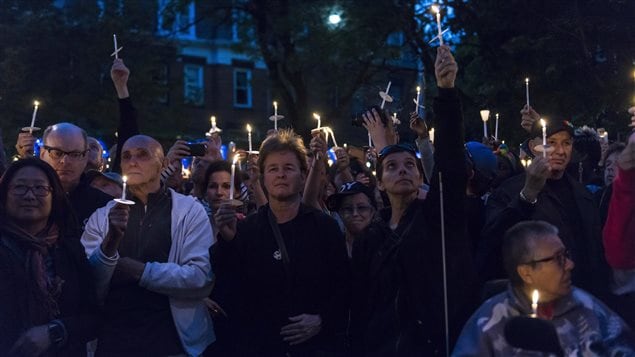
334,202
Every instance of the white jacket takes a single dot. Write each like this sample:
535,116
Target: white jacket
187,276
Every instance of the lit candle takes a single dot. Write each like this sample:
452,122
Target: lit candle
36,104
123,192
543,123
527,89
437,10
535,296
317,117
213,120
431,135
496,131
523,162
249,136
484,117
275,114
417,101
383,98
233,175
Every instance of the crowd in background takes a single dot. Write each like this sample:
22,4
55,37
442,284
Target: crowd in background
291,253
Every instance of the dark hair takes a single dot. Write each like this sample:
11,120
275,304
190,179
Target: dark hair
61,211
218,166
519,243
283,140
393,149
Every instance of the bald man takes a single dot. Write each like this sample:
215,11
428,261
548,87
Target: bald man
65,148
160,247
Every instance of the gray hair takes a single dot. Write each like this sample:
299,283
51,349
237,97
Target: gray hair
519,244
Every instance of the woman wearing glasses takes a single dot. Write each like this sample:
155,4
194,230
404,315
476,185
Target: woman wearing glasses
46,292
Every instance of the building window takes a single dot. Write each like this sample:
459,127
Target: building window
193,89
176,19
242,88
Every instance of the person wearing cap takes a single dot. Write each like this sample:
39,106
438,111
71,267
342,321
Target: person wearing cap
398,292
546,192
536,260
355,204
481,171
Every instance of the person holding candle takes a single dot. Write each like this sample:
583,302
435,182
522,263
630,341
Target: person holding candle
398,270
536,259
292,294
163,271
547,192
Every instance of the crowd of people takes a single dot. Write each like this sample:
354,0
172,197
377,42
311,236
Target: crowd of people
441,247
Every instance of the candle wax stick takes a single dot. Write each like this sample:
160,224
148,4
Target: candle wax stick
114,39
544,137
383,99
275,113
36,104
527,90
232,177
439,28
496,130
418,98
123,192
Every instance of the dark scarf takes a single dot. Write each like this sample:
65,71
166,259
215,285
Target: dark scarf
42,289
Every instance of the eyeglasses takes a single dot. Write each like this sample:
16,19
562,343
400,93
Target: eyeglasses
39,191
350,210
560,258
58,154
391,149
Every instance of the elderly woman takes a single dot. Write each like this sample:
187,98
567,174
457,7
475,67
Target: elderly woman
47,295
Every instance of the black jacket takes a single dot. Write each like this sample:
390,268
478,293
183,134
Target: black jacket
505,209
263,296
398,299
77,302
85,200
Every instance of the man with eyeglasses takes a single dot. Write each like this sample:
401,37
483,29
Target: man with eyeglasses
65,148
536,259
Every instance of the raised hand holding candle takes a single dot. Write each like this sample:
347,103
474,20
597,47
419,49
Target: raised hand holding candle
484,117
249,137
535,296
527,90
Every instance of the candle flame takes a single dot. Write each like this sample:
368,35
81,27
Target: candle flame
496,116
543,123
435,9
213,119
124,178
316,116
535,296
527,80
418,89
249,128
275,104
36,103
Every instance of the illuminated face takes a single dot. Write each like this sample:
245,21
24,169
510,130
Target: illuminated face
551,274
400,174
139,164
29,199
610,167
563,146
356,212
218,188
65,151
283,176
